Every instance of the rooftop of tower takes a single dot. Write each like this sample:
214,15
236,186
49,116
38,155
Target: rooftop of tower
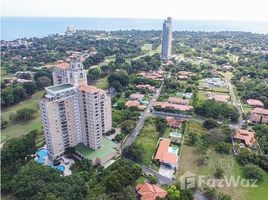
90,89
63,65
55,88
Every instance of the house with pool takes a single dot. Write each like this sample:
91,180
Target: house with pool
166,154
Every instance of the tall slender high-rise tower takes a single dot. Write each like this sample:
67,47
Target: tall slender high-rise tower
167,39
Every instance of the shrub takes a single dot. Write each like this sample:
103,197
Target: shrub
223,147
253,172
210,123
152,179
219,173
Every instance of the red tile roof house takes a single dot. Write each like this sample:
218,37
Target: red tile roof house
174,123
146,86
135,96
156,75
185,73
176,100
221,98
245,136
147,191
134,103
264,120
255,103
260,111
259,116
164,156
172,106
255,118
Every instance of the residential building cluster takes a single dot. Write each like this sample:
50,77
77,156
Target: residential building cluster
136,100
259,115
184,75
174,103
146,86
154,75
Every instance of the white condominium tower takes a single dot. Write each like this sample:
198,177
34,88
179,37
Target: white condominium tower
167,39
74,112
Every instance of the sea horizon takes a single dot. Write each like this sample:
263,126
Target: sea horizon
27,27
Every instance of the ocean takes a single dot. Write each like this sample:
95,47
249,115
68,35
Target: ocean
27,27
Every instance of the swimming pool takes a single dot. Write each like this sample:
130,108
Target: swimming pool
61,168
41,155
173,150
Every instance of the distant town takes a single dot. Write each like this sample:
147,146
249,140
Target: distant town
133,114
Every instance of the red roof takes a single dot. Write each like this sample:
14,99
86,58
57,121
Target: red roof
90,89
260,111
177,100
162,153
172,105
221,98
246,136
184,73
254,102
255,118
173,122
132,103
264,119
136,96
63,65
145,86
149,191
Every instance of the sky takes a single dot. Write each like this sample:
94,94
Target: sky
233,10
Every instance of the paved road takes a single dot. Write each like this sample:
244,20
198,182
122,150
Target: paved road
236,103
140,123
161,179
200,196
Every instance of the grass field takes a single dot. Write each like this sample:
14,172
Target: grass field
19,129
148,138
105,62
201,96
190,162
147,49
228,75
102,83
247,109
257,193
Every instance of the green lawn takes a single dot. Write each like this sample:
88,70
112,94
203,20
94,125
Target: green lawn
190,161
105,62
147,49
21,128
247,109
258,193
28,103
148,138
102,83
228,75
201,96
